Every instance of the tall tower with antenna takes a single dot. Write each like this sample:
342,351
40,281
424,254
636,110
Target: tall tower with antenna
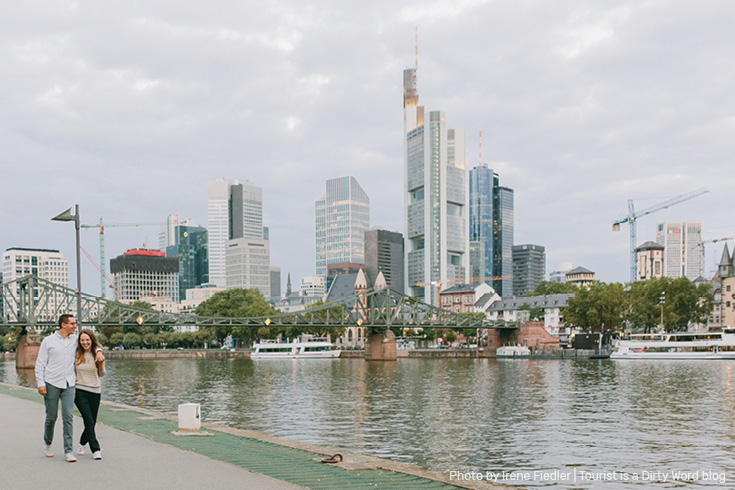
435,197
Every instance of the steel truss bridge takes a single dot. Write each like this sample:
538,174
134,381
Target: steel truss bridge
34,302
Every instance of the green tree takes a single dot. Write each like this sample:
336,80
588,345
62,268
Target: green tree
679,300
116,338
132,340
546,288
644,303
238,303
601,306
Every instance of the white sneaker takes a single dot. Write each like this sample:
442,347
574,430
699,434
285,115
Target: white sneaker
81,450
47,451
97,455
69,457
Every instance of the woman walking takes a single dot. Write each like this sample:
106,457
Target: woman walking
89,389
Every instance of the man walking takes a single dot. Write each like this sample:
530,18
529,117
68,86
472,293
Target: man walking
56,380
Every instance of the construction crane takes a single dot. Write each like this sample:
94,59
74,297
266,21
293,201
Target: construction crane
96,266
714,240
633,217
101,227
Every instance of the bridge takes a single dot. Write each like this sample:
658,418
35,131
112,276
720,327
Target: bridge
35,302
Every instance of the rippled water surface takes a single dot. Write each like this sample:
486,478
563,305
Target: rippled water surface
613,420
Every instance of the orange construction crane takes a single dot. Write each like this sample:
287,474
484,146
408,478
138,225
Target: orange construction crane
471,280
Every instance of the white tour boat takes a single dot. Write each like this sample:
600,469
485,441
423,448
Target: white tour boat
513,351
690,345
301,348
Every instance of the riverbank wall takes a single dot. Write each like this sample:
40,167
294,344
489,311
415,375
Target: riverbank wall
346,354
177,354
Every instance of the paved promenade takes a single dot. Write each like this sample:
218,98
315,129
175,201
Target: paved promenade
141,450
129,461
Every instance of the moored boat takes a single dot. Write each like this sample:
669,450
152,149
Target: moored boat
689,345
306,347
513,351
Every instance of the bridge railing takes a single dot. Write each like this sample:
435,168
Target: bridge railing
33,301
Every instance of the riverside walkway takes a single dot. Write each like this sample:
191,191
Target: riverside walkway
141,451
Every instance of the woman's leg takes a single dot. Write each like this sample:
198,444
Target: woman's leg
94,405
85,402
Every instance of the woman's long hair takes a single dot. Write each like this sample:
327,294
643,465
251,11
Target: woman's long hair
80,350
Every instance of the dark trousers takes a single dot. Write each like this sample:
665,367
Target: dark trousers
88,404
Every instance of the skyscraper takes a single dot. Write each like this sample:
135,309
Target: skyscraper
529,268
231,215
248,265
275,281
435,197
342,218
683,250
191,248
167,235
384,252
481,223
491,230
503,239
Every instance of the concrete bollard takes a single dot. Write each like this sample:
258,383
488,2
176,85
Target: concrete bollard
190,417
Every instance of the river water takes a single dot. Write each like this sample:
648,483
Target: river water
536,423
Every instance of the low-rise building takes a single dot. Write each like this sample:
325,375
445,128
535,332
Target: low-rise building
313,286
461,298
519,309
42,263
649,261
580,276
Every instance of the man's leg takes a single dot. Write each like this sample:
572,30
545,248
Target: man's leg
67,416
51,400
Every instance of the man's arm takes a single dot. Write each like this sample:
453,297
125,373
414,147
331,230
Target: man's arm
99,356
41,362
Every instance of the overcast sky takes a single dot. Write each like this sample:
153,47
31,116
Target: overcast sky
130,108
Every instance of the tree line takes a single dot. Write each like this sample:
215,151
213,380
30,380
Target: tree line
639,306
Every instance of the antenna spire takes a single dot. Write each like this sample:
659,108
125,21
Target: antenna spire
481,147
416,61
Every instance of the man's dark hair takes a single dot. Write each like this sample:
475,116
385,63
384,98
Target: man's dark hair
64,318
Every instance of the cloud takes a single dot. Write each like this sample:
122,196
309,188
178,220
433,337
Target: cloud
131,109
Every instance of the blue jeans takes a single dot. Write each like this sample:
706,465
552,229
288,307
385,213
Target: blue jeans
51,400
88,404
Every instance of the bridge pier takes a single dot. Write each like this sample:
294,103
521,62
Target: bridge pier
381,347
26,351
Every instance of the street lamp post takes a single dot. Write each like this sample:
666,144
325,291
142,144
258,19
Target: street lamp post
67,216
662,300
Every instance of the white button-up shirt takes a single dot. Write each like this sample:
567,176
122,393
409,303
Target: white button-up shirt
55,362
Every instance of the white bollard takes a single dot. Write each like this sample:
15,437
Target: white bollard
189,417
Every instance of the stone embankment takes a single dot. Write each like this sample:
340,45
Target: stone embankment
176,354
346,354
